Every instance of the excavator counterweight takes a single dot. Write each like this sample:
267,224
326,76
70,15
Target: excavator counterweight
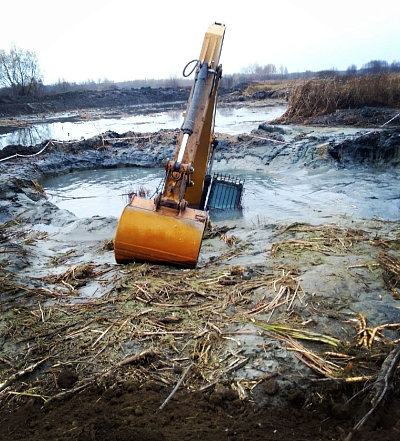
166,230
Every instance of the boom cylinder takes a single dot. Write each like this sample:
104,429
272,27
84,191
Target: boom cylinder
198,90
191,114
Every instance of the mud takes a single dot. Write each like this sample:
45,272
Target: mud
129,411
68,306
48,106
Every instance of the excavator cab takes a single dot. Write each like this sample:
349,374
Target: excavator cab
170,228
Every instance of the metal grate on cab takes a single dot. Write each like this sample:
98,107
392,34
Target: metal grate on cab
226,192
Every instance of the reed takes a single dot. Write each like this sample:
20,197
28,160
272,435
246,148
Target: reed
315,97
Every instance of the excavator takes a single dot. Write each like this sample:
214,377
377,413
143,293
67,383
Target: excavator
170,228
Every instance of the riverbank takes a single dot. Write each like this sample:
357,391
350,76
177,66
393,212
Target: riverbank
280,321
23,111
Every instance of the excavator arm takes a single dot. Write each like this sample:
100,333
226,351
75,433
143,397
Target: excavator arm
166,230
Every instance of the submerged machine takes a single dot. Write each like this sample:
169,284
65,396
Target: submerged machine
170,228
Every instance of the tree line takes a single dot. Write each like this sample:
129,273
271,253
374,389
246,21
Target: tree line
20,74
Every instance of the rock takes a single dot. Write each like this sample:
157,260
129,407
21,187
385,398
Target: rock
340,410
231,395
271,387
215,399
178,369
220,389
66,379
271,129
237,402
138,410
297,397
131,385
152,385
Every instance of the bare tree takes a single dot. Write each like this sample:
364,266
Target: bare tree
352,70
227,81
376,66
395,66
19,70
283,71
172,82
329,73
257,72
62,85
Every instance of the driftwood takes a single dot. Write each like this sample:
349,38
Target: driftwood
20,374
67,393
148,353
381,385
385,376
175,388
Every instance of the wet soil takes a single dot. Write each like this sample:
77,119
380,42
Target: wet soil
130,411
91,349
122,98
361,117
13,106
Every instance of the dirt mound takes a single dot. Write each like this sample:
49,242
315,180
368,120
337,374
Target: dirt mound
22,105
130,411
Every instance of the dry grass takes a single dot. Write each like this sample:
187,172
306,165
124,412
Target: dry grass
154,322
316,97
179,317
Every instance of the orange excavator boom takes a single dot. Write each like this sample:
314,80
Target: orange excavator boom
168,230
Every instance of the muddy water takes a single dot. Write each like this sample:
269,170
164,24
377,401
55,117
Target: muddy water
271,195
292,196
228,120
101,192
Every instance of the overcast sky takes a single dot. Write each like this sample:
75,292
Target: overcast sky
77,40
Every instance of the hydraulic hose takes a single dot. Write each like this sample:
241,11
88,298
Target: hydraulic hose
197,62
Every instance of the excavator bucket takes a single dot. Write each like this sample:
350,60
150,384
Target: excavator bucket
161,235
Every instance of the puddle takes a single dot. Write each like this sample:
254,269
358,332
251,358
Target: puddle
228,120
101,192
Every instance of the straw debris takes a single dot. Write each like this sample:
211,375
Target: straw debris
324,239
367,335
390,266
154,323
75,277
